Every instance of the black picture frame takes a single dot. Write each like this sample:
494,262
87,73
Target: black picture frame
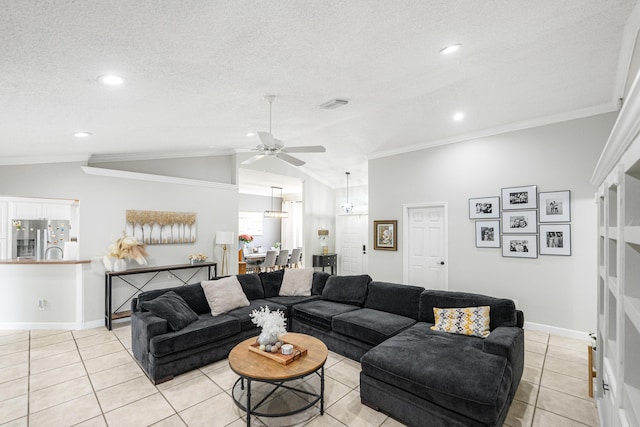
488,234
555,239
520,245
555,206
519,198
484,207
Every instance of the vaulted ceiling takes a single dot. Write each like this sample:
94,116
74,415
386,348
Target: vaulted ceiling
196,72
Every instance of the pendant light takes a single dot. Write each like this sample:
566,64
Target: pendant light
275,213
347,207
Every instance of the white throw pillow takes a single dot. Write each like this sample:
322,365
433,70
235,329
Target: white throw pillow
224,295
297,282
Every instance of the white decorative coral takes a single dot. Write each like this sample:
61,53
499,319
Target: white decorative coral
273,324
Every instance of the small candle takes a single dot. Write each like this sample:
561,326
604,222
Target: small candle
286,349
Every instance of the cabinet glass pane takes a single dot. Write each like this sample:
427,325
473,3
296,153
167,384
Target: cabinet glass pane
601,211
632,270
632,196
612,317
613,258
612,204
601,251
631,390
601,291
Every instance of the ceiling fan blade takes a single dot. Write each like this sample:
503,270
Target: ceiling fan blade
253,159
307,149
290,159
266,139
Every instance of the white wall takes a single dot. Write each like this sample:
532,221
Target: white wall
551,290
103,202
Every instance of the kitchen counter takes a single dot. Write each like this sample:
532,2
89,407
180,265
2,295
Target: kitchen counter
48,261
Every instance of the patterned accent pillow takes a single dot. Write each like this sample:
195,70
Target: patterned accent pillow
472,321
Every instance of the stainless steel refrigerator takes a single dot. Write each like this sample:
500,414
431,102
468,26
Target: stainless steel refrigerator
39,239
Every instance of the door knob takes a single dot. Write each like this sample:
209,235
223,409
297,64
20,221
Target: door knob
441,262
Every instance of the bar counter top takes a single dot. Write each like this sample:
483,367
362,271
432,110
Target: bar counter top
48,261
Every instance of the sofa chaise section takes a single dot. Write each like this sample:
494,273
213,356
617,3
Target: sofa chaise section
450,379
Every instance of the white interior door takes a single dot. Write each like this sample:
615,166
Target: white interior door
351,241
425,245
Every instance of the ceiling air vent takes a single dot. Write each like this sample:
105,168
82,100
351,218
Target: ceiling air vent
333,104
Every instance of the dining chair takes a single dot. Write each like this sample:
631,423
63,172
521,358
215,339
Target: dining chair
283,258
253,265
295,258
269,262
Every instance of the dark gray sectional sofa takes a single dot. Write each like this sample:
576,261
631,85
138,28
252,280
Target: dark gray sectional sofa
417,375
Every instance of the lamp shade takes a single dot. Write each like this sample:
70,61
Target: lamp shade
224,237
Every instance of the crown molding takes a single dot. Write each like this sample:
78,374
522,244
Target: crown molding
114,173
125,157
625,131
33,160
541,121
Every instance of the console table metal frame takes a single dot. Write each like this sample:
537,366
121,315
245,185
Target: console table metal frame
109,315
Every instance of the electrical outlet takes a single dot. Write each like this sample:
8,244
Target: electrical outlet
42,304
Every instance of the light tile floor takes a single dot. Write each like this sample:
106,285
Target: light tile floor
89,378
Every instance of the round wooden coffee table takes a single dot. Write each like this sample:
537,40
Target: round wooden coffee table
251,366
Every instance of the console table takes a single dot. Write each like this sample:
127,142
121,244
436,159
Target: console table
329,260
110,314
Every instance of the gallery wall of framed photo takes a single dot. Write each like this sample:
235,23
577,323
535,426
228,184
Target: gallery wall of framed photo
526,225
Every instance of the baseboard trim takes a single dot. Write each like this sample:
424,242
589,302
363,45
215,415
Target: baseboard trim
69,326
571,333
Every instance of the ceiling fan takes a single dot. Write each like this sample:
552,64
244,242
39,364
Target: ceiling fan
270,146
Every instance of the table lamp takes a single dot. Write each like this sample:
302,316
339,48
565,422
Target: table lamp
225,238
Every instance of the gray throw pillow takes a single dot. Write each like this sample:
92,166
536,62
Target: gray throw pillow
171,307
347,289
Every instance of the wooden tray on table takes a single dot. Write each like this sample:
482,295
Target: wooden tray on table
284,359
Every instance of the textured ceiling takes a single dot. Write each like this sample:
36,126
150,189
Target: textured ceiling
196,72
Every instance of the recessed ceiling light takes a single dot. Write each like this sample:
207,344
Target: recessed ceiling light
251,133
450,49
458,116
82,134
111,80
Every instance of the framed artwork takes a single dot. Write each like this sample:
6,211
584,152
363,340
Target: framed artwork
555,239
520,221
519,198
488,234
520,246
161,227
484,207
555,206
385,235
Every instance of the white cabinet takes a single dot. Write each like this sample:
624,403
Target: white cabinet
39,210
4,221
618,177
56,211
26,210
